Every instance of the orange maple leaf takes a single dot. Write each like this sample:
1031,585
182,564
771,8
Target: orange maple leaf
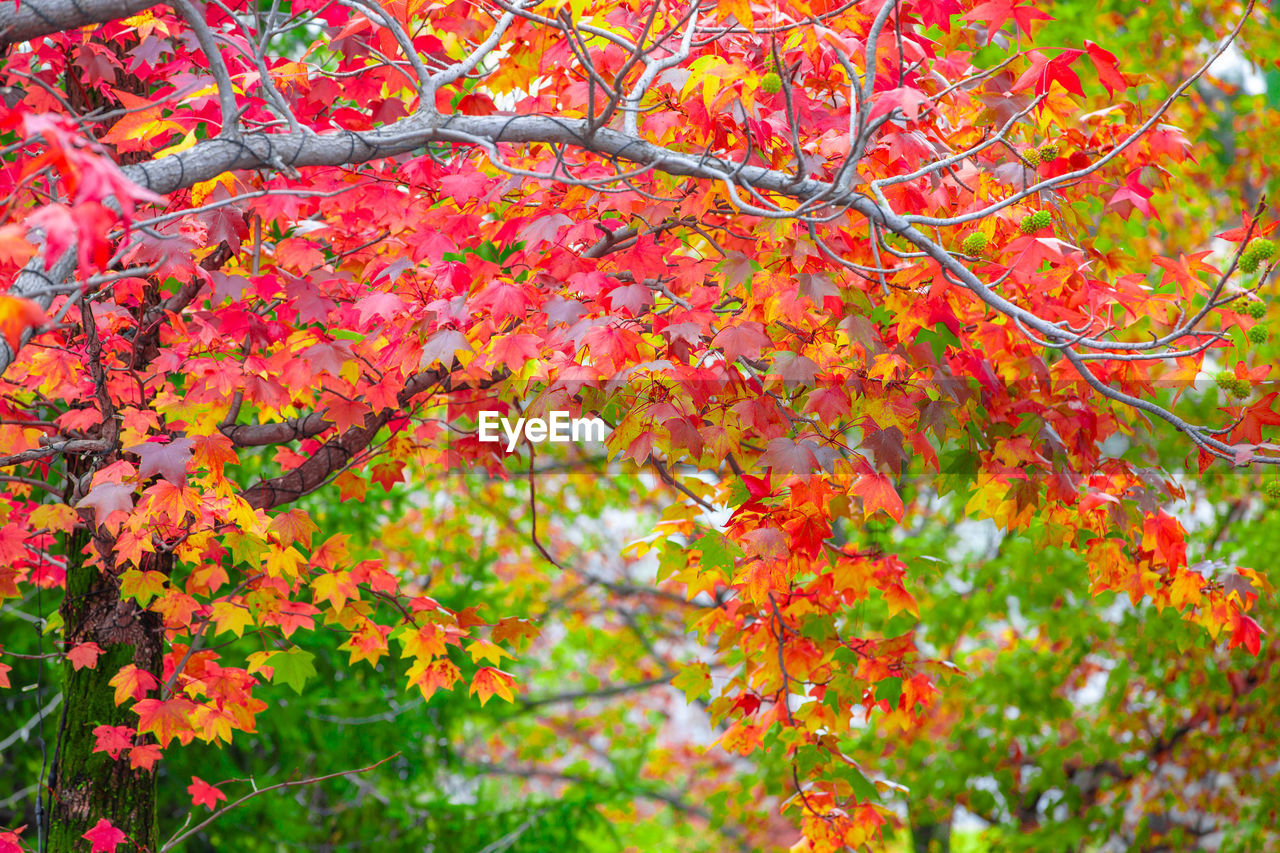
16,316
489,681
166,719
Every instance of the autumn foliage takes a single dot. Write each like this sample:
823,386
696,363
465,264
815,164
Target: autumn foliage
834,274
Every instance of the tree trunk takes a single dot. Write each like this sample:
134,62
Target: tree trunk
931,831
931,836
88,786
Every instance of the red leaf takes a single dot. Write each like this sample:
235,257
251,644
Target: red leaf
104,837
84,655
9,842
167,719
877,493
113,740
1246,633
741,341
996,12
144,757
204,794
1044,72
1108,69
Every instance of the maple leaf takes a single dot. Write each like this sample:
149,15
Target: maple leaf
335,587
1246,632
996,12
485,650
204,794
516,631
512,351
797,457
1108,68
742,340
443,347
17,315
10,842
142,586
430,676
489,681
57,516
84,655
694,680
113,740
132,682
166,719
1045,71
1133,195
878,493
905,99
144,757
294,526
103,837
292,667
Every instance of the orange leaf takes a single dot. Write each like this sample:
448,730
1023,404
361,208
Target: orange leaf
489,681
16,316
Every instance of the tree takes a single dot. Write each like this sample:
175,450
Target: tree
829,272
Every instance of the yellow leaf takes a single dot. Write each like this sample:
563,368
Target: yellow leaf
485,650
56,517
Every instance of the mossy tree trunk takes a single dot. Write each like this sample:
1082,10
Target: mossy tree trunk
87,786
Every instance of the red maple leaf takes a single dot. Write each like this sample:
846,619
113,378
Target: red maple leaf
113,740
204,794
996,12
104,837
84,655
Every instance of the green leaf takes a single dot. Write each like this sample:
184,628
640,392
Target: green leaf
889,690
293,668
694,680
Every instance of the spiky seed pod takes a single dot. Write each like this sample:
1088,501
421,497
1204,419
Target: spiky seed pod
1032,156
1257,310
1257,334
1240,389
1248,263
974,244
1026,224
1048,152
771,83
1041,219
1224,379
1272,489
1261,248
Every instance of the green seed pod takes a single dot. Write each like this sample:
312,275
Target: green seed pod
1248,263
1026,224
771,83
1261,248
1257,334
1032,156
1048,152
974,243
1272,489
1257,310
1240,389
1041,219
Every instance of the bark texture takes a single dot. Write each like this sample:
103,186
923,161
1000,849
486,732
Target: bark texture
87,786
